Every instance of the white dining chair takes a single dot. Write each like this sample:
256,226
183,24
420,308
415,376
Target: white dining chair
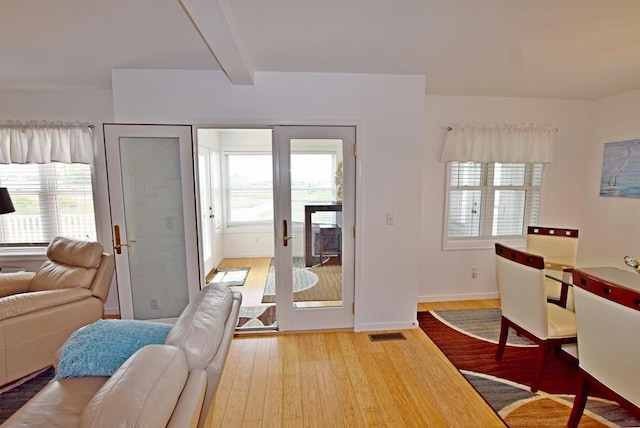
559,248
524,306
608,321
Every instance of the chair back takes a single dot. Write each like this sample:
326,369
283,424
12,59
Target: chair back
75,264
608,319
553,244
522,291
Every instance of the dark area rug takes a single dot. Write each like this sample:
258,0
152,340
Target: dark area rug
13,399
505,384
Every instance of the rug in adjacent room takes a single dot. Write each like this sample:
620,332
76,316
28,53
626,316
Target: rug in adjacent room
233,277
468,339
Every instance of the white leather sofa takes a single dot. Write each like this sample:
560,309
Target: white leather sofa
39,310
170,385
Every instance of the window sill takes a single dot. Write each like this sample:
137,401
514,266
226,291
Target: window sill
484,244
9,254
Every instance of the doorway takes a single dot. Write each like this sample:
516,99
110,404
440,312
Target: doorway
286,214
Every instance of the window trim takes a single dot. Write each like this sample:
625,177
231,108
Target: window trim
487,242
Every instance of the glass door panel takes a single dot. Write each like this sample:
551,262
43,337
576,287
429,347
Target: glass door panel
316,212
153,209
315,171
151,188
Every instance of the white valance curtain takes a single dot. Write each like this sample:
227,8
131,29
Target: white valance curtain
45,142
480,142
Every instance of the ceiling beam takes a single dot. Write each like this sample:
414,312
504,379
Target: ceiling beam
214,21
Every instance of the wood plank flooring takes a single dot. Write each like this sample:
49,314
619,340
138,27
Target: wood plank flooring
342,379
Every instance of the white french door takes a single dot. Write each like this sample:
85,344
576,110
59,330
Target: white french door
150,172
314,223
207,211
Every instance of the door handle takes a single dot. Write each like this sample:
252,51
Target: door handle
118,244
285,238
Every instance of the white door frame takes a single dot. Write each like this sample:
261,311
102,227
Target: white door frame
310,318
206,209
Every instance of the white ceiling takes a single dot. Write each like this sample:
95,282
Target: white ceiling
577,49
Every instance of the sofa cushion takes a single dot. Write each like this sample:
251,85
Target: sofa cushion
24,303
200,327
143,392
53,275
100,348
85,254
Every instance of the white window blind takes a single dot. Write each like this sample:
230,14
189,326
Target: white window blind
488,200
52,199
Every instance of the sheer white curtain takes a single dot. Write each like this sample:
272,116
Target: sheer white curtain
45,142
481,142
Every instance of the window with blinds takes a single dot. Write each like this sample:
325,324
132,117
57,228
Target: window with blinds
249,186
489,200
52,199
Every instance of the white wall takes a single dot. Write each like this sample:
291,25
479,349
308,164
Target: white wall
389,113
446,275
390,260
611,225
85,105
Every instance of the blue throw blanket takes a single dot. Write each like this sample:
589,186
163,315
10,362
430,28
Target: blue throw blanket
98,349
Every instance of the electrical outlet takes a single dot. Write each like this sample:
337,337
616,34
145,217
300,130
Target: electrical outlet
390,219
474,272
155,304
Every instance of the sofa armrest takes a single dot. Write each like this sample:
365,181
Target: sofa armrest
187,411
14,283
24,303
142,392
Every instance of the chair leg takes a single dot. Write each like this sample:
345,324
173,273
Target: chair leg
543,349
579,404
502,343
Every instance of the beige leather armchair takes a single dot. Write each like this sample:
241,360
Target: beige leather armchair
39,310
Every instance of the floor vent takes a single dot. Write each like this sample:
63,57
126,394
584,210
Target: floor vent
379,337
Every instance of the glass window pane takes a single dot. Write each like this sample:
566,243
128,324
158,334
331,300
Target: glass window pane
51,200
509,174
249,188
536,174
465,174
464,213
312,180
508,212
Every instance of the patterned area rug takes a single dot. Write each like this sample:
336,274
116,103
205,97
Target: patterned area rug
505,385
303,279
257,316
12,399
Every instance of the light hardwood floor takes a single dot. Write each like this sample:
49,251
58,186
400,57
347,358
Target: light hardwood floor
342,379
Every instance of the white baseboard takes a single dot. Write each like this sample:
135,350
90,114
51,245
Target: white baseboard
112,311
382,326
454,297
